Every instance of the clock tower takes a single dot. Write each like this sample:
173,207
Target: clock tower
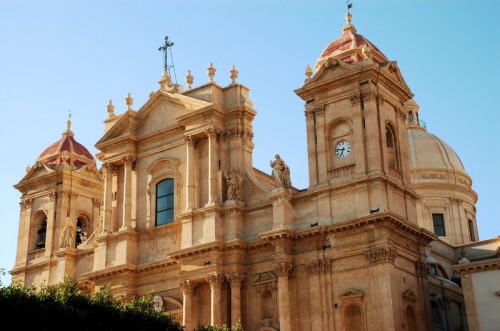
356,129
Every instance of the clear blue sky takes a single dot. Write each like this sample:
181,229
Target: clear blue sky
76,55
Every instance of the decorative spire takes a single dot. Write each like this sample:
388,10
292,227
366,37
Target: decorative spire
68,125
111,109
189,79
129,101
349,26
308,72
233,74
211,73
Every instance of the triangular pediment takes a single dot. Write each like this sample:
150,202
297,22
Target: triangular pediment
265,277
352,293
331,70
37,170
391,70
410,295
124,128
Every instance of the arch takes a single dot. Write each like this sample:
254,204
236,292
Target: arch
38,230
82,229
162,170
391,144
339,130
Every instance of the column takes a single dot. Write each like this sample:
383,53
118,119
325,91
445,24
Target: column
187,288
283,271
215,282
189,172
108,197
314,295
212,165
127,192
236,279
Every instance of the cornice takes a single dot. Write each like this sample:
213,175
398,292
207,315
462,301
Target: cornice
477,266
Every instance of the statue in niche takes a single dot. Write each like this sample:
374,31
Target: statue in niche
280,173
234,183
67,235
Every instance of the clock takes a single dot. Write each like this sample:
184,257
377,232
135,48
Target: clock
343,149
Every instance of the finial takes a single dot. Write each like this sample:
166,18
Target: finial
165,81
189,79
233,74
211,72
69,121
129,101
28,168
111,109
309,72
348,18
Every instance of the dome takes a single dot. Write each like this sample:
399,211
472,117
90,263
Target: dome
429,152
66,151
350,47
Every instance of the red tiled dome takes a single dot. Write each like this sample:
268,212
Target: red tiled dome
349,47
66,150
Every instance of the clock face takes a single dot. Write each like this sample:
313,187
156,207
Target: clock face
343,149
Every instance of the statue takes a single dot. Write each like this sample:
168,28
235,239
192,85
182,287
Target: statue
234,182
281,173
66,239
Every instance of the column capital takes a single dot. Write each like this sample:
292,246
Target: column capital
187,287
283,269
212,133
189,140
215,280
128,160
381,255
236,279
320,265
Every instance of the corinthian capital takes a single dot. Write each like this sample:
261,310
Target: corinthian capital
283,269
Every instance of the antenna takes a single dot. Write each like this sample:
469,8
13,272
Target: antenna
167,48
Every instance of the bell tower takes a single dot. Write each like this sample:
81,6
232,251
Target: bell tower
356,128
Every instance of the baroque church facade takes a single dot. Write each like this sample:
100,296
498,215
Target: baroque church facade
373,243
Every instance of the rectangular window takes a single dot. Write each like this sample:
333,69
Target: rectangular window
165,202
438,222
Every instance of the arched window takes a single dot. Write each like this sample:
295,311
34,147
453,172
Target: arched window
41,234
410,117
81,230
391,143
164,202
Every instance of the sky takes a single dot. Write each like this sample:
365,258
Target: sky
74,56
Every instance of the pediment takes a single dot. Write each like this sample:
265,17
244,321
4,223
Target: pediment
90,170
331,70
410,295
162,110
391,70
265,277
37,170
124,128
352,294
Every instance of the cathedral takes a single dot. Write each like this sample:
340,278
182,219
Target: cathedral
383,238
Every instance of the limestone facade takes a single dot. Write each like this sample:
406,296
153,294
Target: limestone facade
177,207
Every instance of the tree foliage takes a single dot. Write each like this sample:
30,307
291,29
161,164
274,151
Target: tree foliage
65,307
237,327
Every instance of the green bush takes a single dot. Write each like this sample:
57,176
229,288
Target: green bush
64,307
